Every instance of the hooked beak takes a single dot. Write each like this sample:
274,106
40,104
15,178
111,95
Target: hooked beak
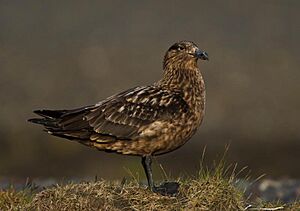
201,54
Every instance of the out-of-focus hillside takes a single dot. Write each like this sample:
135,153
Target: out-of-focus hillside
65,55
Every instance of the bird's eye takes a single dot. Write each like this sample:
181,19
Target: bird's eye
176,47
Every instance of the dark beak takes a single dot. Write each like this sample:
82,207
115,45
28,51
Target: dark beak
201,54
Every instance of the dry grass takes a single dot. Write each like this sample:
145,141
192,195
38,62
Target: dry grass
11,199
212,194
206,192
210,190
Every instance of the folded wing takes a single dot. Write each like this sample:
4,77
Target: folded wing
119,117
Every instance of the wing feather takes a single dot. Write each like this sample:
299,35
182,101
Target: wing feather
118,117
123,115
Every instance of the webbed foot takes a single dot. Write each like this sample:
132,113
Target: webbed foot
167,188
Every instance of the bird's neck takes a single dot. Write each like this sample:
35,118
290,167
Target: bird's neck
188,81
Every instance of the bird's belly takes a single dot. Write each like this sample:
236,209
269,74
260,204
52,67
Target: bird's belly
175,138
159,137
168,136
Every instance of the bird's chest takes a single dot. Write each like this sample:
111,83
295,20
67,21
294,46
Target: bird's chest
195,96
181,129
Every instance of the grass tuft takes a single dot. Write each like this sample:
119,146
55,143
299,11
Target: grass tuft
10,199
213,189
210,190
206,194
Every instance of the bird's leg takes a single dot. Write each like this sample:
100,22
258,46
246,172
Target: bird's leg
166,188
146,162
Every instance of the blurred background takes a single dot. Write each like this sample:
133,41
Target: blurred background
66,54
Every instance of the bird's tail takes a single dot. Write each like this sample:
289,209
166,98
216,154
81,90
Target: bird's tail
50,117
64,123
47,122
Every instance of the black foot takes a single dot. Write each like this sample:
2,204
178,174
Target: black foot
167,188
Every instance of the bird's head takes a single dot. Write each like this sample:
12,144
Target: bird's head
184,54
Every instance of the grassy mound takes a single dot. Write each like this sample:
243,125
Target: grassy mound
210,194
210,190
202,194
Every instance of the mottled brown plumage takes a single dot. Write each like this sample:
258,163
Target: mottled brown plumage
145,120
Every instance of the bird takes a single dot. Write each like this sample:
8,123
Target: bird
144,121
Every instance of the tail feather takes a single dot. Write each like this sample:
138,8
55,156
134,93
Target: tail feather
68,124
82,135
43,121
61,113
50,113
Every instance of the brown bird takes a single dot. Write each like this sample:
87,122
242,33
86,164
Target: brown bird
145,121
